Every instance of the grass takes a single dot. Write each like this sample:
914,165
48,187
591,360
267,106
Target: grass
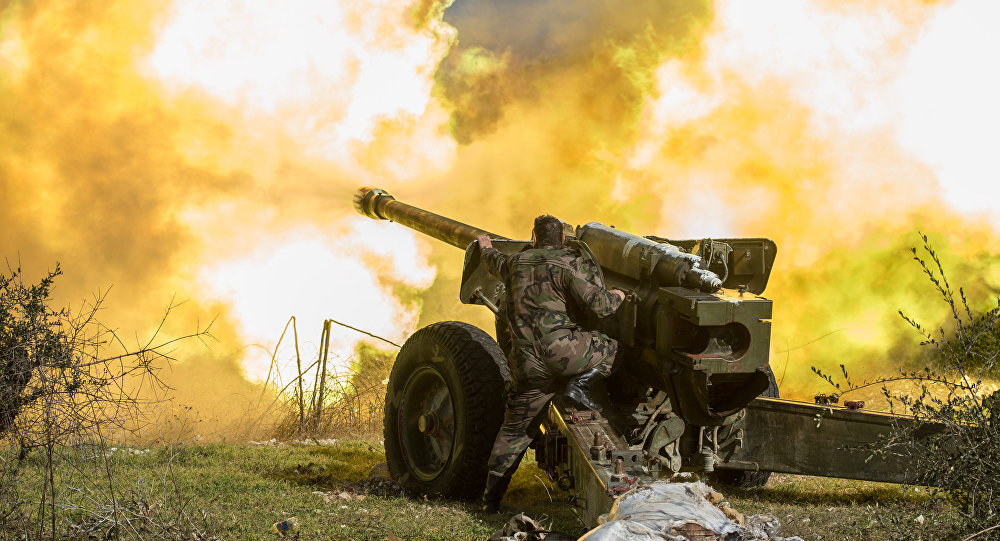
823,508
237,491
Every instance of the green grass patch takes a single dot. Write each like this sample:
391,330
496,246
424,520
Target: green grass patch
825,508
234,491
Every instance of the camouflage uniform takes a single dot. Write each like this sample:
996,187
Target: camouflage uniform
547,344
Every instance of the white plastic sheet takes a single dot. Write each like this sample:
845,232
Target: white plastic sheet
660,512
624,530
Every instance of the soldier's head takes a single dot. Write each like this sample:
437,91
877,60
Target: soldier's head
548,231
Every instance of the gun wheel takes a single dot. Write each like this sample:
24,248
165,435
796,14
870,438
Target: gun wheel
444,407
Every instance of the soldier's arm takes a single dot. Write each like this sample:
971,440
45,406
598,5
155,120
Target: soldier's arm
497,262
588,289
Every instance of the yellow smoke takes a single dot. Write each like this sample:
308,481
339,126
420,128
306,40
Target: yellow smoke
192,150
839,130
210,149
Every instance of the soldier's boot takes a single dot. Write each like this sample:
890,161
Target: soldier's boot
496,486
578,389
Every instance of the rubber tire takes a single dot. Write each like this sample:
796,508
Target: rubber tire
747,478
475,371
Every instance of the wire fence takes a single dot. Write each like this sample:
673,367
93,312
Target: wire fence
327,397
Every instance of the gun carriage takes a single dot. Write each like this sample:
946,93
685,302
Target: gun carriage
692,389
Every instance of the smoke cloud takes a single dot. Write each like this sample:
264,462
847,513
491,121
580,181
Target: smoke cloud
209,150
214,182
799,123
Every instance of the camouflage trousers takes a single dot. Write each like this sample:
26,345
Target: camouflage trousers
535,372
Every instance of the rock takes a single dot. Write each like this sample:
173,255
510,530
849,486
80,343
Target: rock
379,470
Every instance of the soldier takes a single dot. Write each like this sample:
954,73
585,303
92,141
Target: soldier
541,281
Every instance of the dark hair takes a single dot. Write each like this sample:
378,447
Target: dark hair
548,231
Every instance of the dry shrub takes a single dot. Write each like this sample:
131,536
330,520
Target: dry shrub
358,396
67,382
955,442
330,399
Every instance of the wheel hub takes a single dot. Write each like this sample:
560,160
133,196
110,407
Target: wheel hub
427,423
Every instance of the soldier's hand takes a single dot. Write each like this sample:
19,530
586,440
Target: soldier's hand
619,293
484,241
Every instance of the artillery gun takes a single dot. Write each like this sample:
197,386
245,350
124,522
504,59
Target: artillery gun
692,389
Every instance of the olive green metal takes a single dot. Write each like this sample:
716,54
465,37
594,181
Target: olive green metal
704,346
695,339
634,256
377,204
731,332
771,435
830,441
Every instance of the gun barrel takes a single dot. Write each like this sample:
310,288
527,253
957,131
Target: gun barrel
377,204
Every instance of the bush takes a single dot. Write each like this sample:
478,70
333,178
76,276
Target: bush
955,440
66,382
31,341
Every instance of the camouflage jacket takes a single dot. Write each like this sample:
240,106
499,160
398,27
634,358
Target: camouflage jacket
541,282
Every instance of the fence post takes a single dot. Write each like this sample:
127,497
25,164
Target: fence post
298,362
324,353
